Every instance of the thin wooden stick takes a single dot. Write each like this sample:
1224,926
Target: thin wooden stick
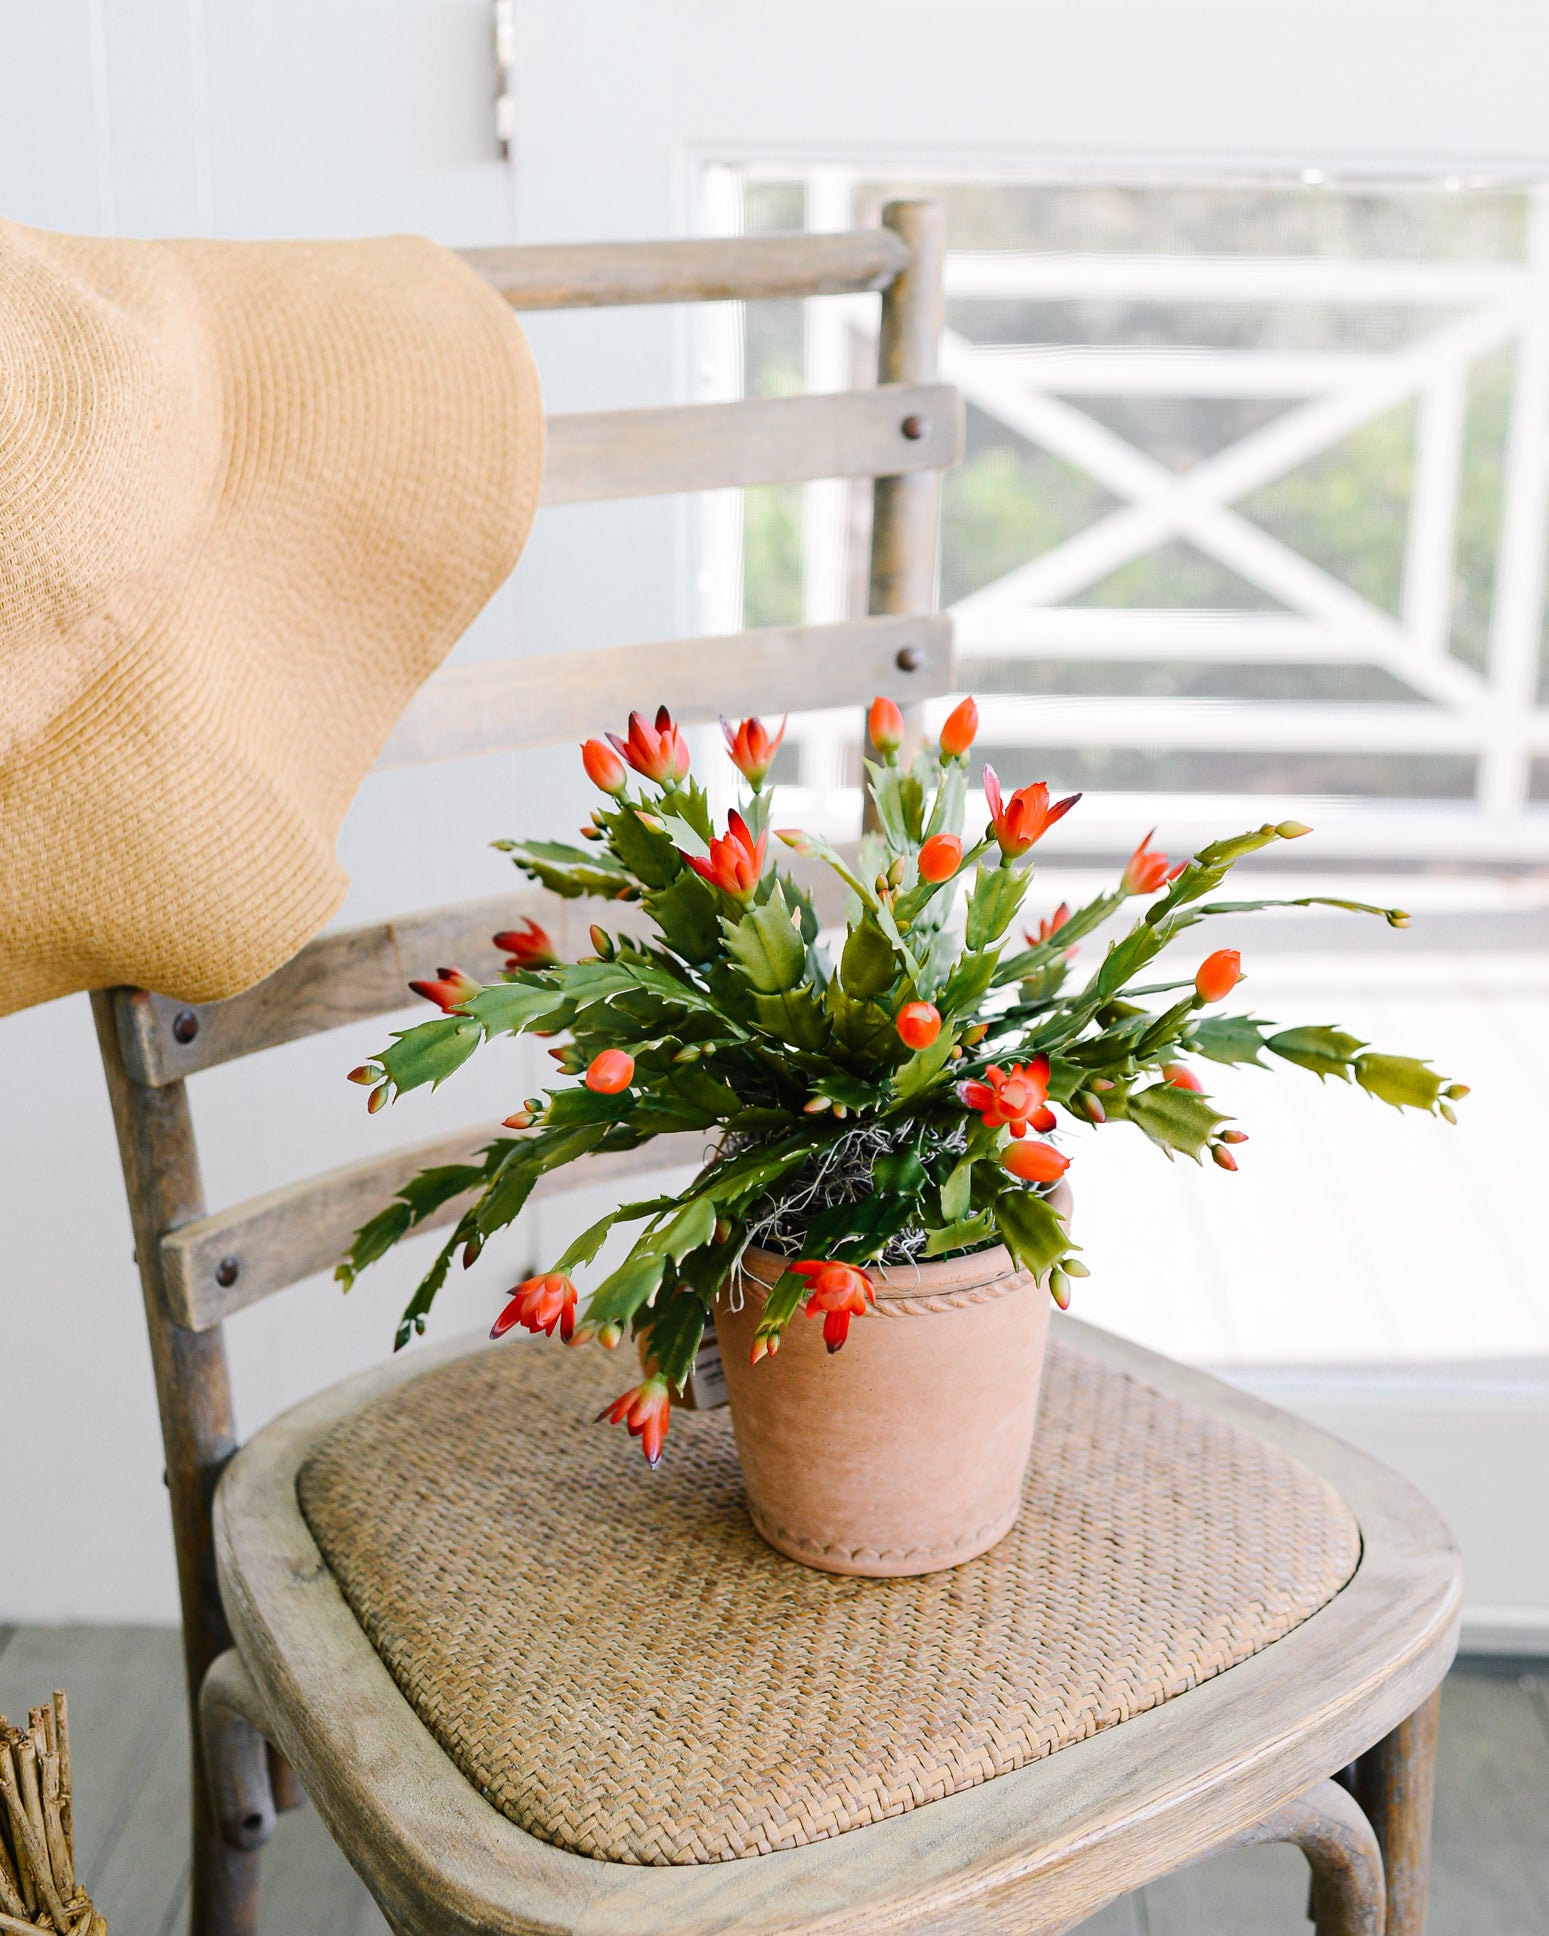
54,1830
36,1858
29,1887
13,1927
66,1787
10,1885
32,1802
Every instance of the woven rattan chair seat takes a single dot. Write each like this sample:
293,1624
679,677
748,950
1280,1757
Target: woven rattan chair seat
620,1665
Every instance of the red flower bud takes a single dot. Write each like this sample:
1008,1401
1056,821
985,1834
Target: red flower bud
940,858
1049,927
450,992
540,1303
751,748
366,1075
1043,1119
736,861
840,1292
603,766
959,728
646,1410
1182,1077
1023,819
377,1100
919,1023
1218,975
1034,1162
528,946
885,724
1224,1159
609,1072
1146,870
659,752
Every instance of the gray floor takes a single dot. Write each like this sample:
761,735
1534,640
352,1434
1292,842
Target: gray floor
1491,1874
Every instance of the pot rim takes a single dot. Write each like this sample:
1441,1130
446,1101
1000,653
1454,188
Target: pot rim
929,1277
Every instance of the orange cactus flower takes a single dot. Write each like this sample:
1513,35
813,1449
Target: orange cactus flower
940,858
736,859
751,748
1146,870
1025,818
646,1409
840,1292
528,946
919,1023
603,766
659,752
609,1072
958,729
1034,1162
451,990
540,1303
1181,1076
1049,927
885,724
1008,1098
1218,975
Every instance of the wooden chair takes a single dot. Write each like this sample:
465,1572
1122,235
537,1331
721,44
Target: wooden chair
271,1640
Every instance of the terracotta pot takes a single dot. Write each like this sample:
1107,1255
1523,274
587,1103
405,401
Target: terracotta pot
903,1452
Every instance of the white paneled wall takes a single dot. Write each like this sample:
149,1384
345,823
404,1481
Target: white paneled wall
274,117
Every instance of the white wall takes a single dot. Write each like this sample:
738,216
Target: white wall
273,117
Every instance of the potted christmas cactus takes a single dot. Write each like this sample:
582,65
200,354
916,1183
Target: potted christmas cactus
890,1111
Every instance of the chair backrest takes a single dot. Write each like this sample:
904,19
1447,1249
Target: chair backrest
198,1268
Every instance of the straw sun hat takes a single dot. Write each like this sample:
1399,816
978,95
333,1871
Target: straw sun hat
250,495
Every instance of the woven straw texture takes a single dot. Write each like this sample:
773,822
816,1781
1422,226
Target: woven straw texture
251,493
617,1661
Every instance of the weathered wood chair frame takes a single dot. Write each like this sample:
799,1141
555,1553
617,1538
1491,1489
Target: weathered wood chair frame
1245,1758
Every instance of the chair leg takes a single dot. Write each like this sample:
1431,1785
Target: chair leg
1342,1853
1395,1783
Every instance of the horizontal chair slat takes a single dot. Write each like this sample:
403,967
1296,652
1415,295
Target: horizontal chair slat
516,703
600,275
269,1242
889,431
338,978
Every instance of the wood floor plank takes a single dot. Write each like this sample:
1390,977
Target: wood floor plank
1490,1862
126,1693
309,1889
1258,1892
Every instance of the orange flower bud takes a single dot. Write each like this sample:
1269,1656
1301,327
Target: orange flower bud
377,1100
603,766
1034,1162
919,1023
610,1072
646,1410
366,1075
1043,1119
1182,1077
1218,975
1223,1158
528,946
940,858
752,748
450,991
885,724
959,728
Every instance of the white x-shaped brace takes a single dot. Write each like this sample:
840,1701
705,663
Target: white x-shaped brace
1196,504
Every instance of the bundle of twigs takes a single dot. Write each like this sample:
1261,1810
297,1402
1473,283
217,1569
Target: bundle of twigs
39,1889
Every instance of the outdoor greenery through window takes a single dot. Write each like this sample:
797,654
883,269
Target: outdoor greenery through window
1254,501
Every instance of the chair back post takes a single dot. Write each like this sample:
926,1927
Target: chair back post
193,1392
904,509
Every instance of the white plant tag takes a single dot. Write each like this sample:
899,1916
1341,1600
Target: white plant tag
707,1381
